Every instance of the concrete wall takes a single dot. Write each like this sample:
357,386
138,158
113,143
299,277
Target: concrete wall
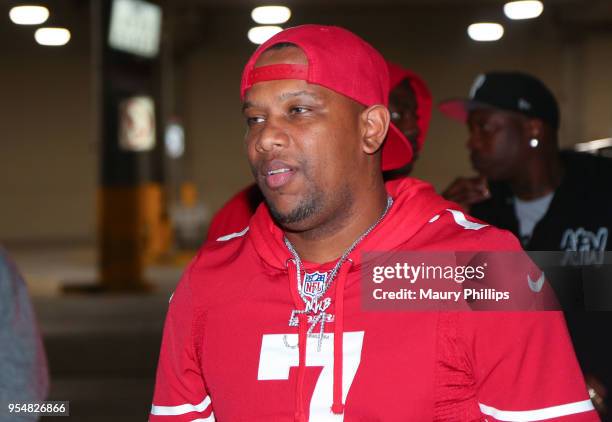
48,162
595,115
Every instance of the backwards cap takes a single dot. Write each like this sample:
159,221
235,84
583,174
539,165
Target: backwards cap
341,61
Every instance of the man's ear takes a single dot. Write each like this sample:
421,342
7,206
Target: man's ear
375,123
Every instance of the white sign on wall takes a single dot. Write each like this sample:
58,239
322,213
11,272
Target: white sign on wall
137,124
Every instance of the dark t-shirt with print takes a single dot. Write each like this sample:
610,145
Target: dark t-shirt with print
579,216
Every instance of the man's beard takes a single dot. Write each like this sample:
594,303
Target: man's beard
307,207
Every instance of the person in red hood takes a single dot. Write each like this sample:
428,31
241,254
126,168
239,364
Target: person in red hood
267,324
410,105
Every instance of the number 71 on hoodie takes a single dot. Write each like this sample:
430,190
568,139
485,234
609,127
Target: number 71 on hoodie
276,358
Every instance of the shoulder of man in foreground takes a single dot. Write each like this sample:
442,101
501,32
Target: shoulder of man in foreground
234,215
455,229
444,225
23,364
222,268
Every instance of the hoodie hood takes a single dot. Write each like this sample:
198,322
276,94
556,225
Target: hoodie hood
414,203
422,94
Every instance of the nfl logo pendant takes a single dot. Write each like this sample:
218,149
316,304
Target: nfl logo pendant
313,285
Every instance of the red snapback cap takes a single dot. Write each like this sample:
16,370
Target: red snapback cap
341,61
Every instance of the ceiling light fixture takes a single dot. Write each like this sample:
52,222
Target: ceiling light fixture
261,34
52,36
523,9
271,15
485,31
29,15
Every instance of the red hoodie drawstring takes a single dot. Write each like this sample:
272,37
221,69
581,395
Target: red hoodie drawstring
338,406
300,414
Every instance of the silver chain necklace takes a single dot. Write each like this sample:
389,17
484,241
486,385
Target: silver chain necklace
312,305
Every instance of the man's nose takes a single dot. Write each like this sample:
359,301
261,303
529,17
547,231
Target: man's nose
272,136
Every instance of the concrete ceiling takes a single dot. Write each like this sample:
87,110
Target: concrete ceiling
191,19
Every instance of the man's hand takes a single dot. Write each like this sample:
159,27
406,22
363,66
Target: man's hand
597,393
468,191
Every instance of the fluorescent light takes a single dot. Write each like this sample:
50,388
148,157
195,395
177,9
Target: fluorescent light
261,34
29,15
52,36
593,146
267,15
485,31
524,9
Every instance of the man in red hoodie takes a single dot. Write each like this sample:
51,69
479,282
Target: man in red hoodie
410,105
267,323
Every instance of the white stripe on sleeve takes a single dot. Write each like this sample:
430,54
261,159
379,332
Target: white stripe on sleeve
537,414
233,235
460,219
182,409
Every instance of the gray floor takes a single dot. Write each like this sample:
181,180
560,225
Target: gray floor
102,349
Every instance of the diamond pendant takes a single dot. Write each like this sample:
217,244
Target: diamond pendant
293,319
316,315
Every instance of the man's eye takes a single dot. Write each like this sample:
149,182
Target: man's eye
254,120
299,110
